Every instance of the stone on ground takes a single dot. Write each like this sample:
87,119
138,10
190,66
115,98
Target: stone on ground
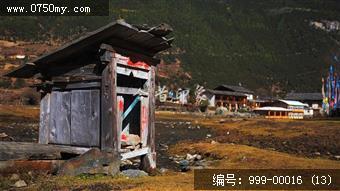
133,173
184,165
93,161
20,183
15,177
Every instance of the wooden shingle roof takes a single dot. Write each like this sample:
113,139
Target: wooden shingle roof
123,37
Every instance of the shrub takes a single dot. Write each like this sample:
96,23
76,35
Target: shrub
19,83
204,105
5,83
30,97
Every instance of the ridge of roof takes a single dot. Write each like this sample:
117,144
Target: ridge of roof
222,92
122,36
236,88
293,102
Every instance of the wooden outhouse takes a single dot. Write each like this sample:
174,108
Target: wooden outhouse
99,91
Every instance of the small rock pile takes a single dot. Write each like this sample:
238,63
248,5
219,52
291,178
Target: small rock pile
19,183
190,161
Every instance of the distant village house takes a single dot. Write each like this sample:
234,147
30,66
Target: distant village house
313,100
285,109
231,97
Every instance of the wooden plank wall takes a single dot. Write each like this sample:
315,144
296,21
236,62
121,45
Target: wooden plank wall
85,117
60,122
74,118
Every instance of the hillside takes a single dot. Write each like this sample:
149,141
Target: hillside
278,45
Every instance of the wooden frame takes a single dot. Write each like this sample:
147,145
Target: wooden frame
112,102
112,112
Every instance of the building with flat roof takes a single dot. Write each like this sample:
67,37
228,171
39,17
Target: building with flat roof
285,109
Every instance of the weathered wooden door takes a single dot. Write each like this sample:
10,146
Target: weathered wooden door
74,117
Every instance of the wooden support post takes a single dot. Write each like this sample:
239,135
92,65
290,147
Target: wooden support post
108,103
144,120
152,132
148,162
120,113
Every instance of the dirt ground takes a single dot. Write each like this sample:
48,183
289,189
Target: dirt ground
226,143
302,138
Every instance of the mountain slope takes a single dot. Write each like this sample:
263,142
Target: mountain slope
263,44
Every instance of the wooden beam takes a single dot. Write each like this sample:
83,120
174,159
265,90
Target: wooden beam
151,140
132,54
22,166
106,56
75,79
85,67
26,151
79,85
135,153
108,105
124,70
131,91
132,67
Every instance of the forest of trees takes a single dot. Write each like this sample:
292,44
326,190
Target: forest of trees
258,43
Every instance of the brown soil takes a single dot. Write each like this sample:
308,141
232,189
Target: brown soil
303,138
19,129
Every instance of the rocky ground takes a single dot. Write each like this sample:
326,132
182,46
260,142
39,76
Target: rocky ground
171,132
